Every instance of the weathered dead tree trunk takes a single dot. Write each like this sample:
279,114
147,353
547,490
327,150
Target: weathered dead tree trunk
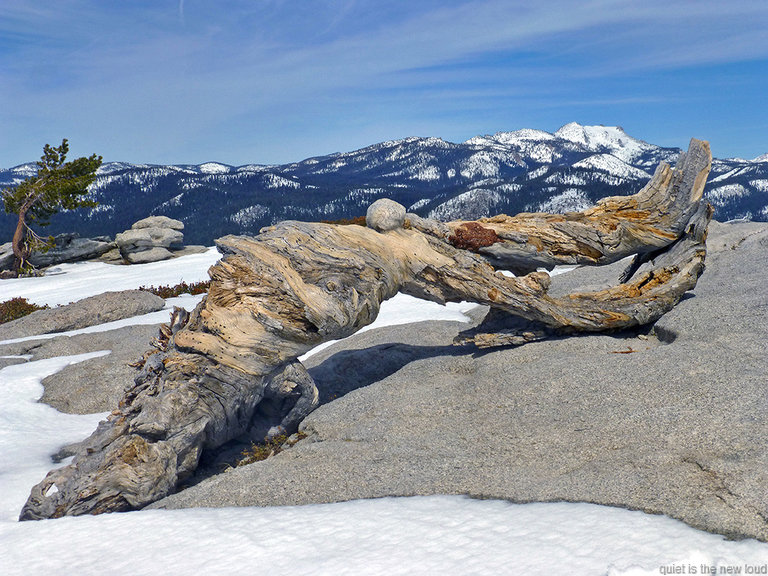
275,296
617,227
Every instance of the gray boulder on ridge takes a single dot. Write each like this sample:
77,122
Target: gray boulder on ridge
151,240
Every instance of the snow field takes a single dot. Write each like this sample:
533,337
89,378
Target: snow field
419,535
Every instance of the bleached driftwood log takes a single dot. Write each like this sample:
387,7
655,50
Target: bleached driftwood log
275,296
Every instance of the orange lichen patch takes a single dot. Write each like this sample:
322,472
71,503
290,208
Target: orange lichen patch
642,286
498,219
613,204
180,364
493,294
134,451
612,318
590,318
636,215
662,233
472,236
536,242
655,278
537,281
609,224
620,292
637,289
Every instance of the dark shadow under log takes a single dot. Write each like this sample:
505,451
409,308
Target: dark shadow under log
275,296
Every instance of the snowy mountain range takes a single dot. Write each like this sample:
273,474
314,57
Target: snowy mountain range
508,172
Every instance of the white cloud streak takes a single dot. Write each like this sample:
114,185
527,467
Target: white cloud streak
200,70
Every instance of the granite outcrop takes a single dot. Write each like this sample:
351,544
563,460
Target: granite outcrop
669,419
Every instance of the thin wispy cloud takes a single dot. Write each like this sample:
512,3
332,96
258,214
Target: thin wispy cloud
270,81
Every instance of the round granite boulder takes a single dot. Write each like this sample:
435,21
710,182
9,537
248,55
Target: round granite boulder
385,214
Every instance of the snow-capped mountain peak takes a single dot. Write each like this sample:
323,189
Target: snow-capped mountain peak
591,136
112,167
214,168
512,138
610,139
25,170
507,172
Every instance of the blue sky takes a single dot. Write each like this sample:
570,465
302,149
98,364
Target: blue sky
274,81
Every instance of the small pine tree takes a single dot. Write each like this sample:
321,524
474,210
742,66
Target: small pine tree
58,185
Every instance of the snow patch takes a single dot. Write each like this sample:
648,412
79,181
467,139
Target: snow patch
249,215
613,165
572,200
519,136
214,168
274,181
475,203
31,431
419,204
251,168
429,173
509,187
187,184
722,193
405,309
484,164
566,178
111,167
533,174
760,185
730,174
101,209
393,536
24,171
71,282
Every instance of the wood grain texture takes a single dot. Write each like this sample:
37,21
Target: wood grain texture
275,296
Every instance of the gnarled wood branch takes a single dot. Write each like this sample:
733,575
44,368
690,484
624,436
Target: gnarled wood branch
275,296
642,224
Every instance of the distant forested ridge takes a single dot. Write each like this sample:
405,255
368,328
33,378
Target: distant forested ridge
508,172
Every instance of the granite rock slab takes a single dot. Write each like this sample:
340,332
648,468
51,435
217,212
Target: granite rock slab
669,419
91,311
